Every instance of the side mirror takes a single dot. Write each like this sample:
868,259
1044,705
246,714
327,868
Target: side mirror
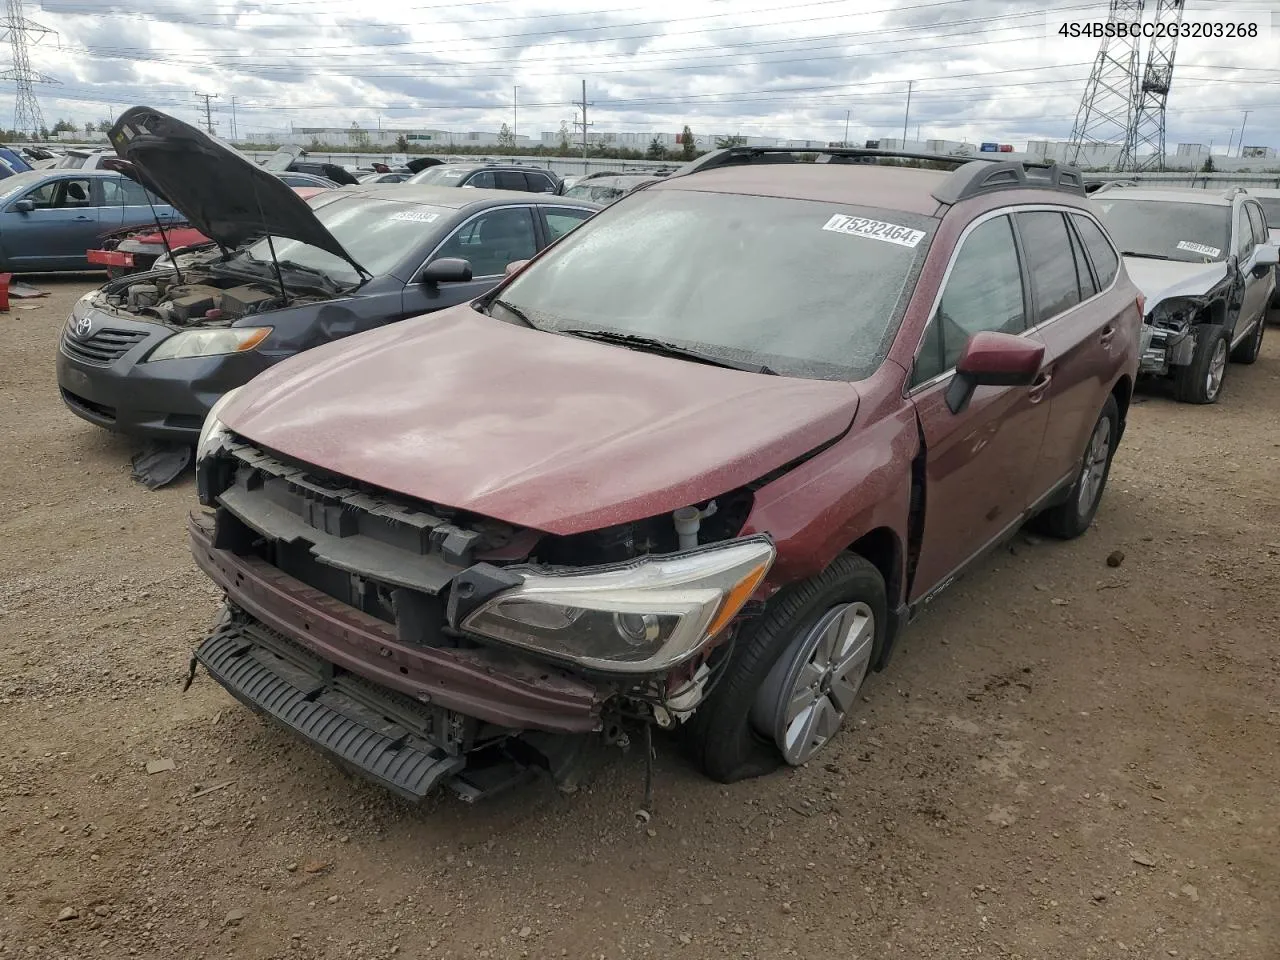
1266,257
993,359
24,206
514,267
446,270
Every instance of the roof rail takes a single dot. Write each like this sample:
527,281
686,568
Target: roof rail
974,174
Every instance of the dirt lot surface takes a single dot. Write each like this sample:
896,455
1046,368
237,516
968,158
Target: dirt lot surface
1064,760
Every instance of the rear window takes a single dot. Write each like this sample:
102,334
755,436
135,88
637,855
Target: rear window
1168,230
1272,209
807,288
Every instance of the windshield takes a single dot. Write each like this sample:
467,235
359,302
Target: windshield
806,288
440,176
588,191
377,233
1168,229
1272,209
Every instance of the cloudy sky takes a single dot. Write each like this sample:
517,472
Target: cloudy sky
979,69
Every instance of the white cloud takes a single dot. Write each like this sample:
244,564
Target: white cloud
981,69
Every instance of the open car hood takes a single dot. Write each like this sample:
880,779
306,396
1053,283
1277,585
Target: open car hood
220,191
552,432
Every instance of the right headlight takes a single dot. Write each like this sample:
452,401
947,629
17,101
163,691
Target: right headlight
646,616
213,433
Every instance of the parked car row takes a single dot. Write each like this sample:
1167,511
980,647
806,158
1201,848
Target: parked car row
692,460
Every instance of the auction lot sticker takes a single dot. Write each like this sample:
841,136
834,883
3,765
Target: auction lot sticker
416,215
1199,248
874,230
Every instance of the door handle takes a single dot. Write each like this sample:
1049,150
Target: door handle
1108,334
1037,389
83,219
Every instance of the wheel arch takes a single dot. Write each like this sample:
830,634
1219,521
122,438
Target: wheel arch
883,549
1122,390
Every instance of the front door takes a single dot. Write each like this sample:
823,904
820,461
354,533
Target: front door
56,233
980,462
1251,290
1257,288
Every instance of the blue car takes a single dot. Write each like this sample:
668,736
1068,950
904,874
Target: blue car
50,219
11,163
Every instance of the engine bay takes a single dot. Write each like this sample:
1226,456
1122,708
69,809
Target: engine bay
199,300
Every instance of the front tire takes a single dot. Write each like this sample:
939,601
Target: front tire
746,728
1072,517
1201,380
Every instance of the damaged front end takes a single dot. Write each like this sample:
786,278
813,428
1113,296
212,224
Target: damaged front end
1168,338
424,646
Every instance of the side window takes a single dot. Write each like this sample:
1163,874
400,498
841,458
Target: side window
44,196
1103,255
1050,262
983,292
1244,233
1257,222
122,191
510,180
539,183
1085,278
560,220
492,240
484,180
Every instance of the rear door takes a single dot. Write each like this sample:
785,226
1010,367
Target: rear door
57,232
489,241
1080,323
124,204
980,462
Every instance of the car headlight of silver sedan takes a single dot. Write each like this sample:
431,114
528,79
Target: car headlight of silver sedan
645,616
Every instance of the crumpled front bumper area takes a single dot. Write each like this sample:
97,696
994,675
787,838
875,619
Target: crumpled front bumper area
345,718
1162,348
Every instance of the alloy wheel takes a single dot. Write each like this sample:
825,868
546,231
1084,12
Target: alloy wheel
1217,370
1094,470
814,684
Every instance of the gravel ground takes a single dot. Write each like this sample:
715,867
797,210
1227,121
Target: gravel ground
1064,760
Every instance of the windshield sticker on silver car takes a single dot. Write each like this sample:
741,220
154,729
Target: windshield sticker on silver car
416,215
874,230
1198,248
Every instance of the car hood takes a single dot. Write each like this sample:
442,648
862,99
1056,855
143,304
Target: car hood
551,432
220,191
1163,279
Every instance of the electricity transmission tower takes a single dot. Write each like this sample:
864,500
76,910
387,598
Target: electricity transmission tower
17,29
1106,113
208,99
1157,77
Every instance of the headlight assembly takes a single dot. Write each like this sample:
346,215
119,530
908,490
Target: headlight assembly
213,433
209,343
646,616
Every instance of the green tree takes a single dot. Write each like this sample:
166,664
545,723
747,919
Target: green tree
402,144
566,144
44,133
64,126
734,141
688,146
90,129
104,125
656,150
505,137
1208,166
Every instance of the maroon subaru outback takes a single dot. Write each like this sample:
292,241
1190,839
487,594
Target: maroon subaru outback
694,466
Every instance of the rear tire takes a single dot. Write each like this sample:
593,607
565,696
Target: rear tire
1072,517
721,736
1201,380
1248,350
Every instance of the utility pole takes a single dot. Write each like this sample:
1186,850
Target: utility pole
583,122
17,29
845,141
1242,125
233,118
208,109
515,112
907,115
1230,141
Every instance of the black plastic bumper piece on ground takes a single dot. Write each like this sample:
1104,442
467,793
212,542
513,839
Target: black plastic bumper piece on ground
252,674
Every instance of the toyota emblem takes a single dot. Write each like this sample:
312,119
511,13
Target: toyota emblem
84,327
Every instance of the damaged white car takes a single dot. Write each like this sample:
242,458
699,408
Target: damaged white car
1205,265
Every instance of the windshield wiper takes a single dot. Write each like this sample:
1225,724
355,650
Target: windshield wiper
514,311
311,272
1145,256
668,349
